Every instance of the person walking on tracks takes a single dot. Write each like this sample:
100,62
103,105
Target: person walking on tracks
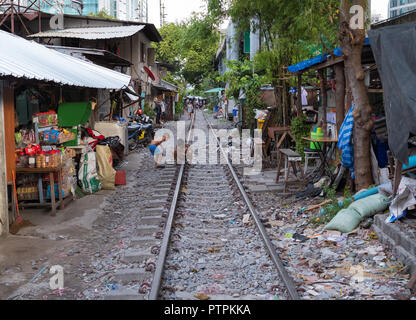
157,151
190,110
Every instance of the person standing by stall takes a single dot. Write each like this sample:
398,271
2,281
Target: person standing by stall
158,110
163,110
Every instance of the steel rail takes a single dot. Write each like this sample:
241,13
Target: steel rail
270,248
157,278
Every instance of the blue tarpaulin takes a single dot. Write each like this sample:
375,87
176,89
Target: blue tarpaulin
307,63
319,59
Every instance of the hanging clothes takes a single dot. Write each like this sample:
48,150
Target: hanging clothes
27,104
304,97
345,142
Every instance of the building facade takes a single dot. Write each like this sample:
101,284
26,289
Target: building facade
399,7
127,10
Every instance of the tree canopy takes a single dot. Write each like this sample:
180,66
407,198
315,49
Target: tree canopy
191,47
103,13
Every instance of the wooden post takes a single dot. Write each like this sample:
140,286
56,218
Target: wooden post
340,94
397,177
324,100
284,104
12,17
299,98
4,211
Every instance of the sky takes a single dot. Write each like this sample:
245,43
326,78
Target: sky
380,6
178,10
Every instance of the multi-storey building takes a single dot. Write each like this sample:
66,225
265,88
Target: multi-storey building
399,7
127,10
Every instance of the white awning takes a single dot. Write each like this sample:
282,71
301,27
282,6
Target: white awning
91,33
21,58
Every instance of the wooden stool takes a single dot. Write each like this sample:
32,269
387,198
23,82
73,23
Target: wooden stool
295,161
311,155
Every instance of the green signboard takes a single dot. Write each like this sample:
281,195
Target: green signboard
247,42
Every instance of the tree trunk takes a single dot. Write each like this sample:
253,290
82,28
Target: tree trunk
299,97
324,96
348,95
340,94
278,96
285,104
352,41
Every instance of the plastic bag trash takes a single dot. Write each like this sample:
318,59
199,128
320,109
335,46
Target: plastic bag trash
246,218
300,237
391,218
111,286
201,296
406,197
220,216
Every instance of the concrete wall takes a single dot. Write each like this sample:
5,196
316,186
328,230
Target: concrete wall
4,215
254,43
232,43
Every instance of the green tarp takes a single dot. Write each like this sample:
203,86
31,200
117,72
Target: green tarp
73,114
216,90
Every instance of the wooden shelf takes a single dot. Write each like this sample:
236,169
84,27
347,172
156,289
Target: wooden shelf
375,90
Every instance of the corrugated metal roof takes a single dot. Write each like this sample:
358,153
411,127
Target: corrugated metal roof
91,33
21,58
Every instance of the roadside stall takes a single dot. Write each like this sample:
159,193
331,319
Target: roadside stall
50,107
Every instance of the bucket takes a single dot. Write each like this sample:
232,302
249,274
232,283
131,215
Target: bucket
260,124
315,135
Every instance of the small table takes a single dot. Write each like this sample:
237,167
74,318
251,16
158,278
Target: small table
325,153
51,172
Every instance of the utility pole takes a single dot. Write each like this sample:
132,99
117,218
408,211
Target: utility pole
143,11
162,13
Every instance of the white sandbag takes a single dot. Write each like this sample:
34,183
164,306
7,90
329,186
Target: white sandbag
87,174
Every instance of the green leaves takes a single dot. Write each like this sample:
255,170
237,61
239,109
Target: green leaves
190,46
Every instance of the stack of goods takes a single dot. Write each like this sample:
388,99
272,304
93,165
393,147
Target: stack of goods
28,188
69,177
46,119
43,146
57,136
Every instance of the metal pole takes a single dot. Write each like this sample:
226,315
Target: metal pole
4,211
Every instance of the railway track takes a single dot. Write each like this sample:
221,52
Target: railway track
214,237
201,237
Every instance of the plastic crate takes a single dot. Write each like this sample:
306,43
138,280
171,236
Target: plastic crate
120,178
